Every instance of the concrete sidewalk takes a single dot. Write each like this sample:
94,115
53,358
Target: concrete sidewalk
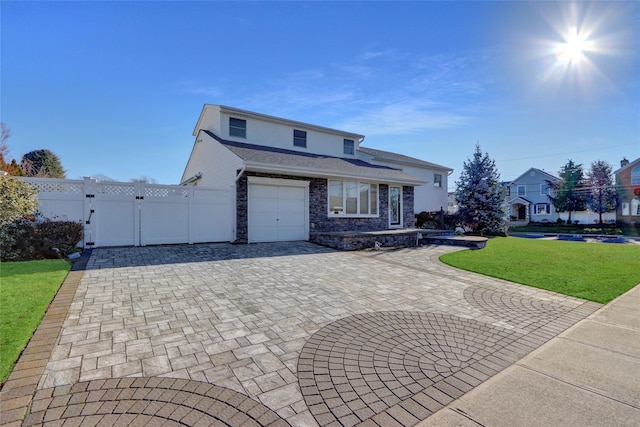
587,376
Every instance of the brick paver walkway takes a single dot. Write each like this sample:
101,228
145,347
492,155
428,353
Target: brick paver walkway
276,326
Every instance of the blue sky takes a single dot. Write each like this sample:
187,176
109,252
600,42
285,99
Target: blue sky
115,88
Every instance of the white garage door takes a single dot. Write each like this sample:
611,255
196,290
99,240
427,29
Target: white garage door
278,210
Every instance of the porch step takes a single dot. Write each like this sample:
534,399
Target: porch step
473,242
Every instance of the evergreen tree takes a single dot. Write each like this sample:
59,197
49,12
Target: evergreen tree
602,194
42,163
569,192
481,196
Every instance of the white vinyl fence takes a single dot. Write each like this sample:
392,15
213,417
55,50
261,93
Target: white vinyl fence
137,213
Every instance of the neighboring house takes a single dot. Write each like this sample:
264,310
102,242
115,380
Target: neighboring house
430,197
628,185
291,179
528,201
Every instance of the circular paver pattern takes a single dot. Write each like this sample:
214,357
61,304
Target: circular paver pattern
517,310
363,365
148,401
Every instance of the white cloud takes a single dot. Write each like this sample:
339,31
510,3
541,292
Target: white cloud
401,118
199,89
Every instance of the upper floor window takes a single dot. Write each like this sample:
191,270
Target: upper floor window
545,189
635,176
349,146
437,180
522,190
299,138
237,127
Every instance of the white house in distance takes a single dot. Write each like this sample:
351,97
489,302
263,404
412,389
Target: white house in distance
291,178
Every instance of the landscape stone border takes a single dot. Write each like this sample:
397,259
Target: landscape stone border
17,392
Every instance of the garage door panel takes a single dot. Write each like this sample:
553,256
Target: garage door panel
264,206
264,191
291,193
291,220
277,213
291,207
286,234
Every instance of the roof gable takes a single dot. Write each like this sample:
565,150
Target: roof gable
636,162
546,175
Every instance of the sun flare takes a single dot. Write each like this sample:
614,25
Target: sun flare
572,50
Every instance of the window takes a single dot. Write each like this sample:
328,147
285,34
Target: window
635,176
395,206
299,138
542,209
437,180
349,146
544,189
635,206
353,198
522,190
336,200
237,127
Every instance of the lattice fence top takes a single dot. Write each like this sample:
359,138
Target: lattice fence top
208,193
132,189
116,189
168,191
58,186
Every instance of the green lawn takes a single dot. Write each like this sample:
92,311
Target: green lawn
26,289
594,271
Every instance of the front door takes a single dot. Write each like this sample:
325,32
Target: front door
395,206
522,212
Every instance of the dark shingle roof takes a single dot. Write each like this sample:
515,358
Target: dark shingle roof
400,158
328,165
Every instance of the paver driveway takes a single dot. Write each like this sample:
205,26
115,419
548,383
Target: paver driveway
315,335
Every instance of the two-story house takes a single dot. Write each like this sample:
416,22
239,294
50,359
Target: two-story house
628,186
292,178
528,200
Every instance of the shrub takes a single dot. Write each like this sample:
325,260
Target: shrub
428,220
30,238
431,220
17,199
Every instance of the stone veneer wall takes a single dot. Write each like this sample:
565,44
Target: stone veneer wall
352,242
319,220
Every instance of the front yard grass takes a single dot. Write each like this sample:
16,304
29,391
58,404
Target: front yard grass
593,271
26,289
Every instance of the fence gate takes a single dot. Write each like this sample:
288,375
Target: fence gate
138,214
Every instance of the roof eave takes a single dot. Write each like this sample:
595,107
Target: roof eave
416,165
323,173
